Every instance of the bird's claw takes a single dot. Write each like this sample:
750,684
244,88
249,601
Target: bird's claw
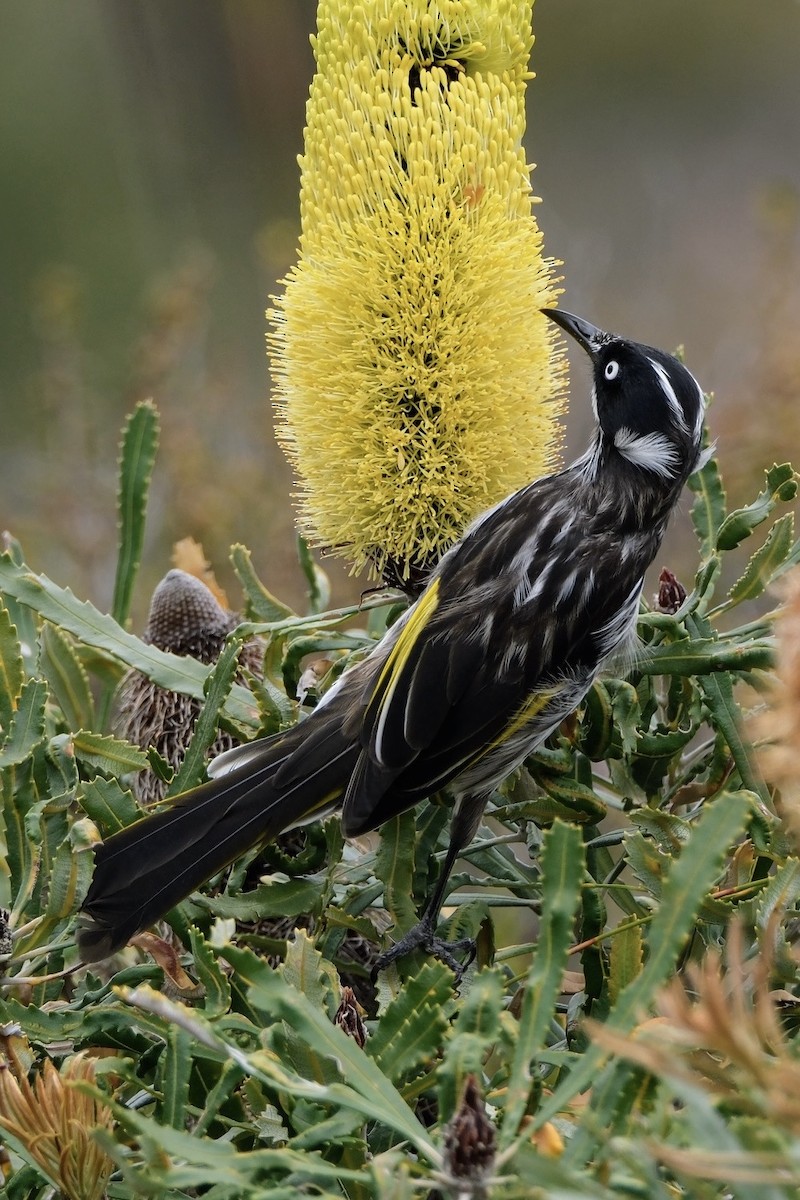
422,936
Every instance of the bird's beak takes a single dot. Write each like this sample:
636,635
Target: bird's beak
588,336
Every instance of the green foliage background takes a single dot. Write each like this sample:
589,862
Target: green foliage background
629,843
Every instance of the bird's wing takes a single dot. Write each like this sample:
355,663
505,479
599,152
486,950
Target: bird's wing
468,672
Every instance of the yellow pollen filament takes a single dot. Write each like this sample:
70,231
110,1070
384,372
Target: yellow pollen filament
416,381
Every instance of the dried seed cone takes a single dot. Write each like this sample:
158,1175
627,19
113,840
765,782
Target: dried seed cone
184,618
416,378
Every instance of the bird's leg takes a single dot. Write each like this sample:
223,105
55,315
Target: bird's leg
422,936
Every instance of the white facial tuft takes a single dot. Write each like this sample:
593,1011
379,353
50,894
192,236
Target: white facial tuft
650,451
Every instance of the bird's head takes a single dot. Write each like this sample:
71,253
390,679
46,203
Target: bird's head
648,406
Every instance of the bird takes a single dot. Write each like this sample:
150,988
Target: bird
516,621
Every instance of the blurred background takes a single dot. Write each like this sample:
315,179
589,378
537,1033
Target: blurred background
148,207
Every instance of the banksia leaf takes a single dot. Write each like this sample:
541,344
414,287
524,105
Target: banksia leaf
137,458
416,377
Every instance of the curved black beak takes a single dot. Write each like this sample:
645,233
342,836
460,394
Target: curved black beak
587,335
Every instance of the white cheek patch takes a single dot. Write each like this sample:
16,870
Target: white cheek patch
650,451
669,393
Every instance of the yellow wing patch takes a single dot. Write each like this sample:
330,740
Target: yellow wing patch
401,651
529,709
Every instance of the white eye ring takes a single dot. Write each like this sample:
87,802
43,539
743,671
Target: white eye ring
612,369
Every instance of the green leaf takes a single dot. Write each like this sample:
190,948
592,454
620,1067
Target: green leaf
173,1078
279,897
780,893
781,485
177,673
395,866
578,799
137,459
701,656
69,879
726,715
692,877
367,1088
766,561
215,983
625,959
412,1028
11,669
106,753
708,510
319,588
67,676
305,969
28,725
563,868
261,604
626,711
216,689
478,1027
109,805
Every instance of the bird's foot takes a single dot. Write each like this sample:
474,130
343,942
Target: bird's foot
422,936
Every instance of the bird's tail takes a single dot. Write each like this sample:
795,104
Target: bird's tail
146,869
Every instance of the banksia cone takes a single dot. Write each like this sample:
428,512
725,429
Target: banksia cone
184,618
416,379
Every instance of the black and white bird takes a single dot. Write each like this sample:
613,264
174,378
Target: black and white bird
517,620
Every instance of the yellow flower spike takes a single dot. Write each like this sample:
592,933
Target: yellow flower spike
416,380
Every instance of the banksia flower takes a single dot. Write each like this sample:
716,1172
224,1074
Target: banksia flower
416,379
469,1145
52,1122
184,618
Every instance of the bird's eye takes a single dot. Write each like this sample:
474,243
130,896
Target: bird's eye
612,369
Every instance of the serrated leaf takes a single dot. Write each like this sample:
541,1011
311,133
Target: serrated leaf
781,486
578,799
12,671
216,689
692,876
215,983
319,588
278,897
708,510
626,712
173,1077
177,673
648,863
563,868
395,866
137,459
67,677
70,874
476,1029
305,969
704,656
781,892
597,723
625,959
275,708
107,753
261,604
366,1088
27,726
109,805
766,561
726,715
412,1028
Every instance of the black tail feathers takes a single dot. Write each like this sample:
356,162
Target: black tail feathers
145,870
